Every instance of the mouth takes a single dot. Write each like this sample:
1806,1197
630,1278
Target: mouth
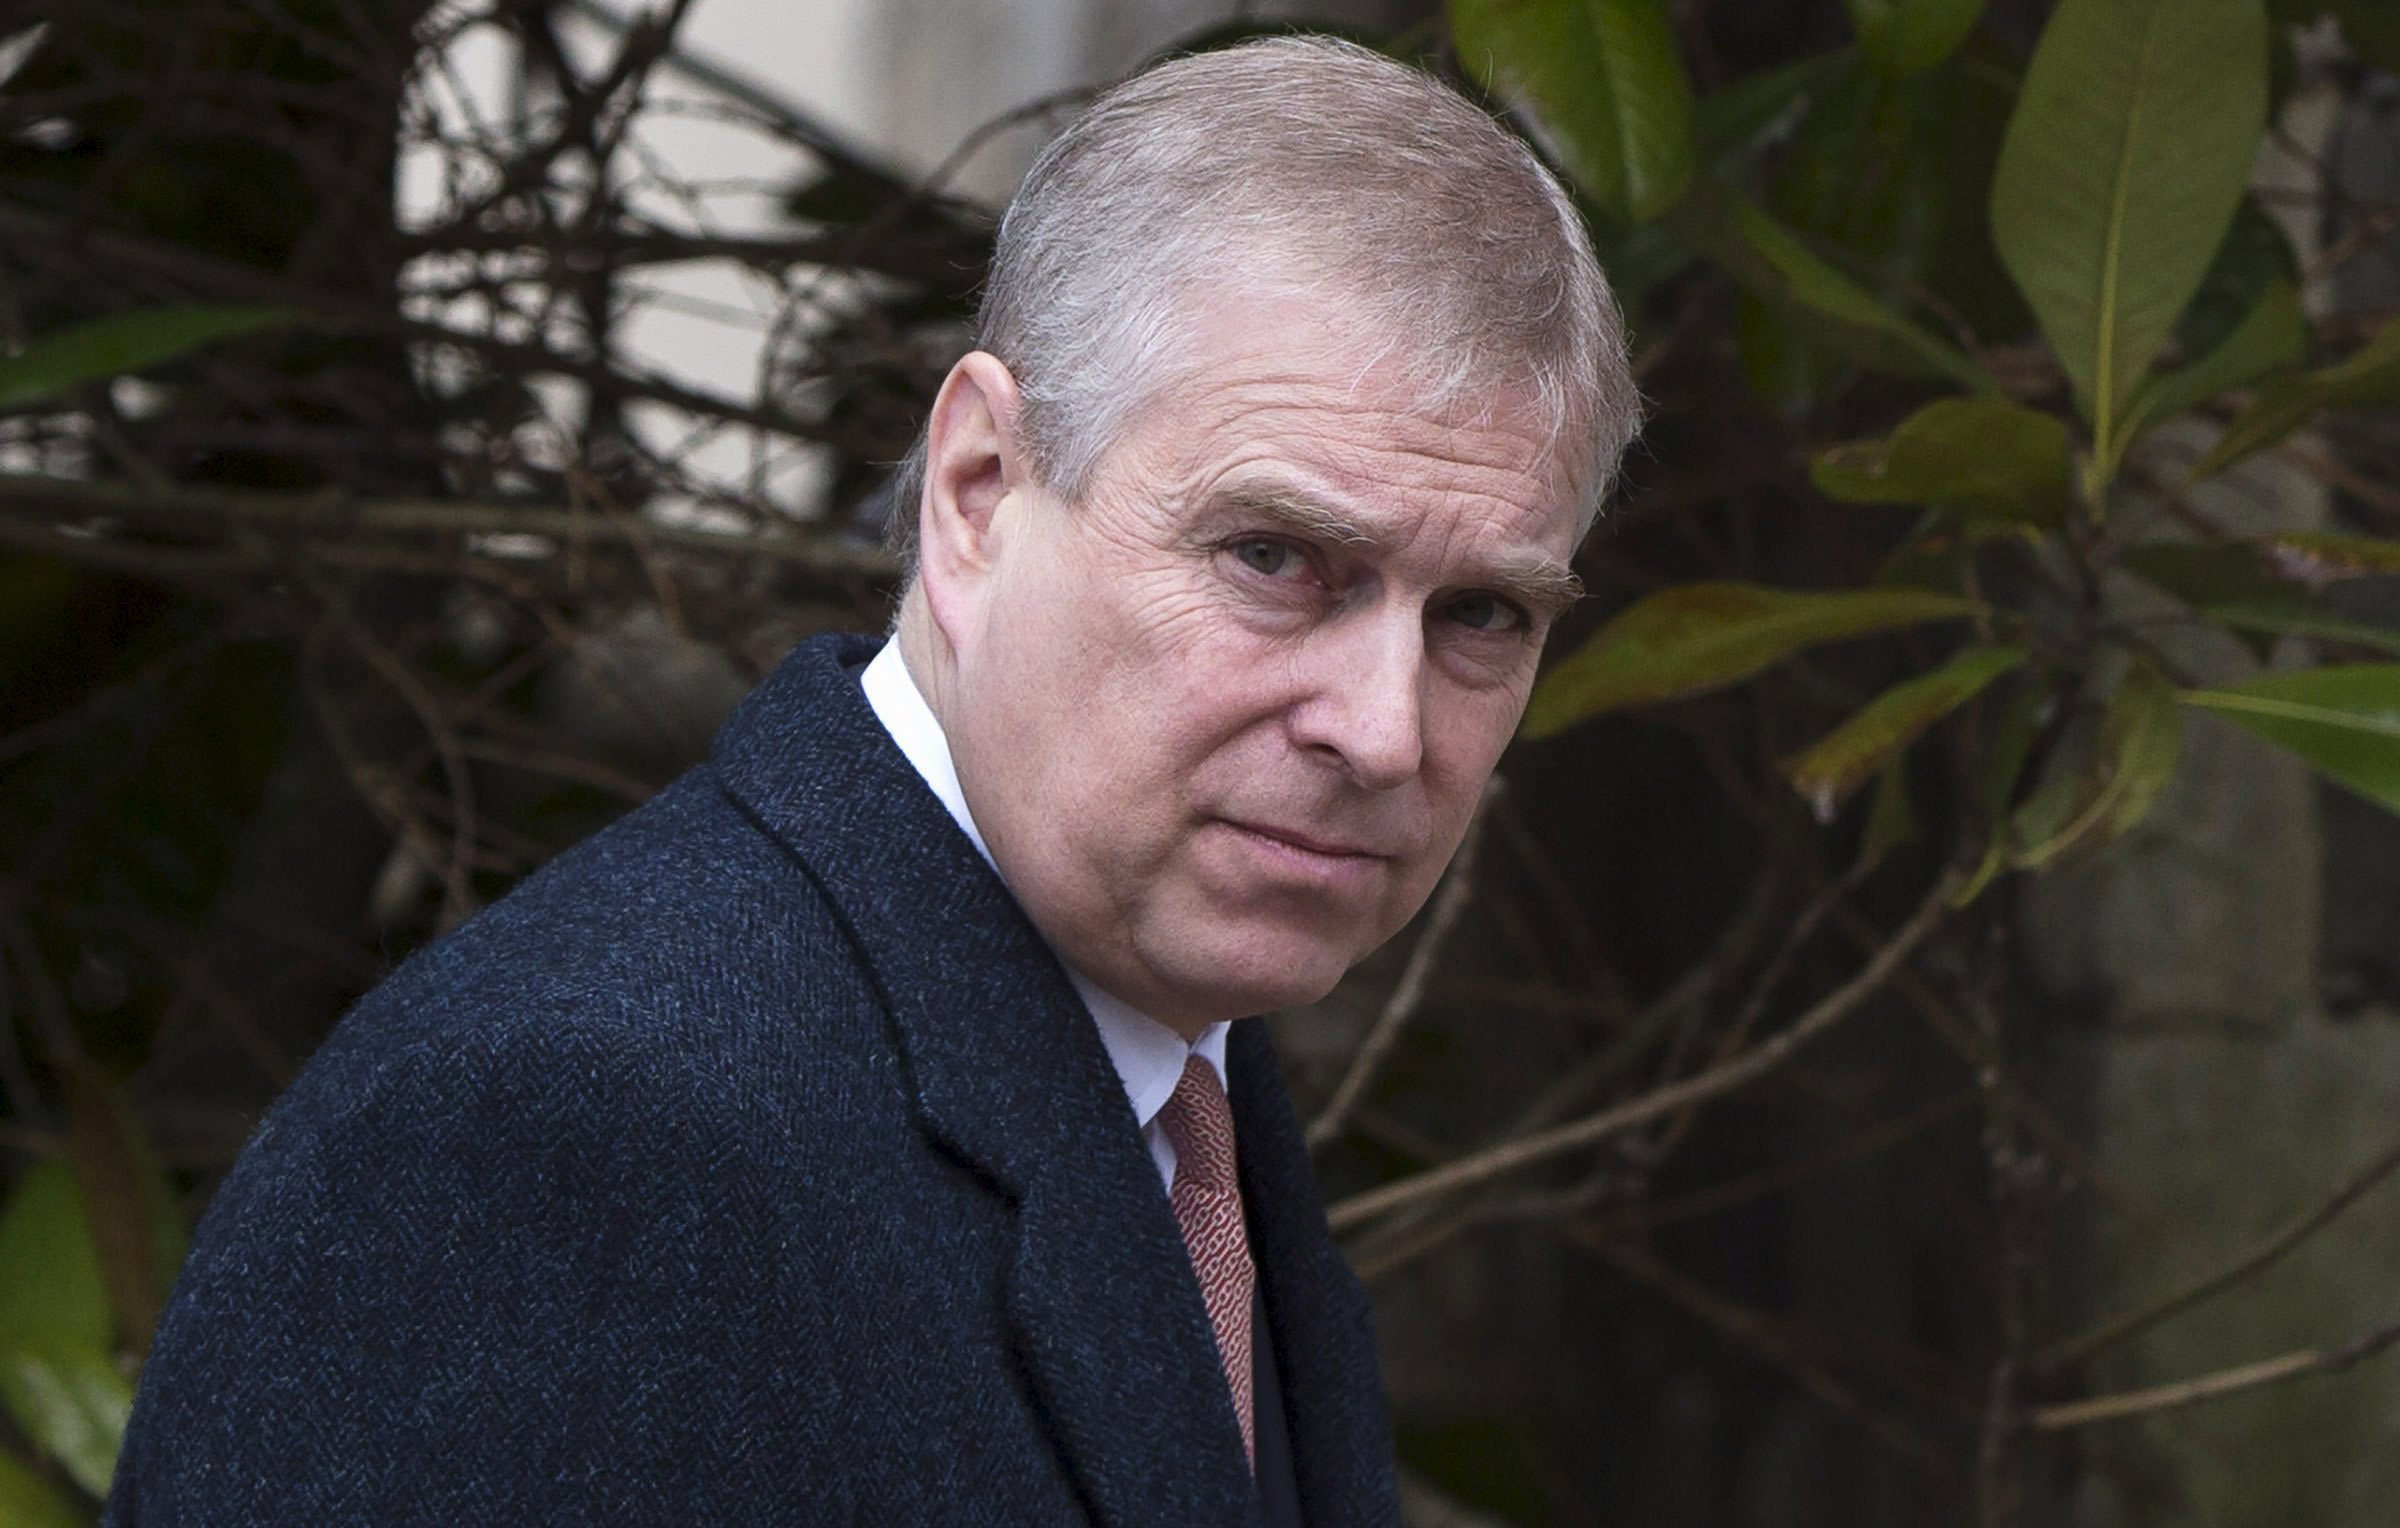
1308,843
1322,870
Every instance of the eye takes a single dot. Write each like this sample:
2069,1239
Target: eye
1485,612
1269,557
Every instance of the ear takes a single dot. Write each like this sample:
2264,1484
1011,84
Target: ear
974,468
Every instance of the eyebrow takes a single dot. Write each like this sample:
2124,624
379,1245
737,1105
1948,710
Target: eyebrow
1540,583
1300,513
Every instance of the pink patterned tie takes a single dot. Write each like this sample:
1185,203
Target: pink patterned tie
1208,1206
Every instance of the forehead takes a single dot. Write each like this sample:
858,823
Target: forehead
1269,398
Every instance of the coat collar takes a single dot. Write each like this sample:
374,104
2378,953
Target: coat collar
1009,1076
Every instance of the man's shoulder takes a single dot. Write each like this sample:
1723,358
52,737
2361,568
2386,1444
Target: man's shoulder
674,938
741,922
557,1146
684,900
599,1030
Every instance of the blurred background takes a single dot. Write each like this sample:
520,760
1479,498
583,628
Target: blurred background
1914,1034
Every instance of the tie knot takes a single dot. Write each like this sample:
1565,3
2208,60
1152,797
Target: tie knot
1199,1122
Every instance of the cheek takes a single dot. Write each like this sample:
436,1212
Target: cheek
1172,619
1168,648
1466,731
1135,695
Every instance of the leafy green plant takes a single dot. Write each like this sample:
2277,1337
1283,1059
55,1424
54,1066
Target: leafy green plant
1628,142
88,1246
58,1377
122,344
2115,205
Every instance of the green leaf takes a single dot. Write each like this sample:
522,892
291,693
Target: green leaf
2097,794
2273,336
2319,558
1698,637
1601,81
2268,573
2124,162
58,1376
121,344
2344,720
1861,174
1984,455
1891,817
2263,588
2370,378
1771,260
2254,255
2277,621
1731,128
2004,756
1781,356
2011,745
1728,121
1838,762
1639,259
70,1402
1938,554
27,1501
2206,574
1887,177
1911,36
128,1209
49,1273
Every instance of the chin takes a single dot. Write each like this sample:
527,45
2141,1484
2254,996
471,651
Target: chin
1256,978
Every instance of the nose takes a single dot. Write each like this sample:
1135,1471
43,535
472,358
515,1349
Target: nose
1364,702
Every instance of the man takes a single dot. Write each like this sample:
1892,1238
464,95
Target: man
844,1135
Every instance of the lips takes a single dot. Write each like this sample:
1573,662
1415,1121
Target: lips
1312,843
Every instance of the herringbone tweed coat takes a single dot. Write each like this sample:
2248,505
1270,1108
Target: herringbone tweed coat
753,1162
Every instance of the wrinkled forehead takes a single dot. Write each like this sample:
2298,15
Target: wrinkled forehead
1304,362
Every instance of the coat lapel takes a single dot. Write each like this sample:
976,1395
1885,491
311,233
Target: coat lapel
1009,1076
1341,1438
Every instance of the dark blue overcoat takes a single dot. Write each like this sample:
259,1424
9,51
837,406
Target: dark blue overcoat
753,1162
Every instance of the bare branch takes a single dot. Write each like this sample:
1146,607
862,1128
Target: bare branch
1753,1331
1757,1062
2215,1386
182,510
2238,1270
1881,1136
458,899
1409,994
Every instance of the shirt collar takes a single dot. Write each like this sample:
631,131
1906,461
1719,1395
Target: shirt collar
1148,1056
900,706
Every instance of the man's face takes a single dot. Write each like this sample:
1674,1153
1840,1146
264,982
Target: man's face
1223,720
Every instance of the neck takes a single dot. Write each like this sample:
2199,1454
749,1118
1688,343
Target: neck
930,662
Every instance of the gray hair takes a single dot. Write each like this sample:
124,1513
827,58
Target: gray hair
1295,163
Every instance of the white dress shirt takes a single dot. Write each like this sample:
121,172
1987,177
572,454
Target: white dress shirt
1148,1056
